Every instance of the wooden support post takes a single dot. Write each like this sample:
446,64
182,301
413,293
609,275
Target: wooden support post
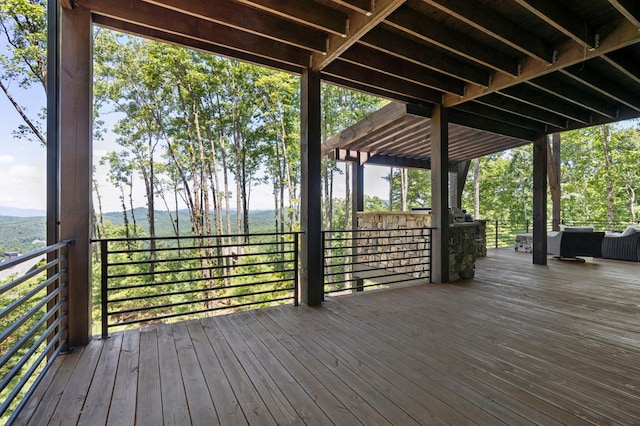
553,166
540,201
358,206
439,195
76,84
312,277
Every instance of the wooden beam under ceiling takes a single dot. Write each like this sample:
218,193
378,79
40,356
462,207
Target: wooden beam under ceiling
569,53
359,25
312,14
249,19
602,84
432,31
630,9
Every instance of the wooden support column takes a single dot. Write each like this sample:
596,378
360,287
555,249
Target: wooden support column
553,170
457,182
76,165
357,185
540,201
312,278
439,194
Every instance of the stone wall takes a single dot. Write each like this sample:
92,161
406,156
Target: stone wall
466,242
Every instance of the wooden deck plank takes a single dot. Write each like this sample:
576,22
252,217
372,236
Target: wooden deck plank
123,404
76,390
519,344
175,410
149,397
201,407
47,395
224,399
98,400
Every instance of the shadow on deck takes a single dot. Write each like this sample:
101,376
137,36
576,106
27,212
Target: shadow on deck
519,344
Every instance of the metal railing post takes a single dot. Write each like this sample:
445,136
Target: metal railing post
296,277
103,290
324,265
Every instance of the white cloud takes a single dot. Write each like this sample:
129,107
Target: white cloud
24,187
6,159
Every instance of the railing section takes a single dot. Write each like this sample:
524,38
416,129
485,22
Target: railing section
355,260
33,320
502,232
147,280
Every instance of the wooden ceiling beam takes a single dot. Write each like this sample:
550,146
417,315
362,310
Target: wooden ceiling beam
251,20
506,104
129,28
490,22
308,13
630,9
400,47
531,96
410,71
157,18
494,126
569,53
624,63
377,79
432,31
563,20
569,94
497,114
376,91
602,84
365,7
359,25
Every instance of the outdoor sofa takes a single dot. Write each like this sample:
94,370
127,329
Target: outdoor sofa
573,241
622,245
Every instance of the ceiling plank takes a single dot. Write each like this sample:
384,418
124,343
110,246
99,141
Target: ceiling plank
127,27
398,46
510,105
496,114
624,63
376,91
569,53
433,32
490,22
494,126
602,84
359,25
630,9
563,20
156,17
527,94
377,79
361,6
376,60
568,93
388,113
309,13
249,19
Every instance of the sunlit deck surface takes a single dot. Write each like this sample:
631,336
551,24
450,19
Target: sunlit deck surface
519,344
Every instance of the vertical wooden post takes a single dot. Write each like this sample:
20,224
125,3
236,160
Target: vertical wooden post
553,166
439,194
358,206
540,201
312,279
76,165
461,180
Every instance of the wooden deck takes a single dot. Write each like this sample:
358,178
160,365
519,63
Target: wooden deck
520,344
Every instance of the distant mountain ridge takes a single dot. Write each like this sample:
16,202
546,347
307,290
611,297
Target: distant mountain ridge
17,212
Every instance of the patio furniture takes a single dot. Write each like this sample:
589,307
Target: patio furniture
524,242
622,245
571,242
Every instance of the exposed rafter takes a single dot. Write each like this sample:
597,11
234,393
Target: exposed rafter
630,9
359,25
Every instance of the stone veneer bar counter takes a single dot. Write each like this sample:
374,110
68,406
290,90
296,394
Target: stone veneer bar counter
466,241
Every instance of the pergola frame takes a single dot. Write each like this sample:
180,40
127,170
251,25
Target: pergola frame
522,69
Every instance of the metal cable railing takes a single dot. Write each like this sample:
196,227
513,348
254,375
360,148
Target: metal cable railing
357,259
146,280
33,330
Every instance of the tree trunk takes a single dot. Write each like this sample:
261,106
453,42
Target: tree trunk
404,184
609,185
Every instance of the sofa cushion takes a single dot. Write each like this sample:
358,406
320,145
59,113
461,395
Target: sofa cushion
576,228
631,229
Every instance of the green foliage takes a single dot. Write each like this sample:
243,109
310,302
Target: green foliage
21,234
